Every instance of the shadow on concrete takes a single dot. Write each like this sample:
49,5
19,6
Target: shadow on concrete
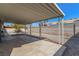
72,46
17,41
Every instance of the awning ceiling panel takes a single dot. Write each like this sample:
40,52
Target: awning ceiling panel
26,13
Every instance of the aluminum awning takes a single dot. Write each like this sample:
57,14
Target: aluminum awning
25,13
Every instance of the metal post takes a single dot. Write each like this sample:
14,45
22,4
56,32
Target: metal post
0,30
30,29
25,29
1,25
61,31
62,23
40,29
74,29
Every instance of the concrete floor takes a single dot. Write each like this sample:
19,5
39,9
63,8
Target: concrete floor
38,48
72,47
22,45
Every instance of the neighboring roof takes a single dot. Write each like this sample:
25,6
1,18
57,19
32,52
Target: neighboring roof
76,20
72,20
53,22
25,13
65,21
68,21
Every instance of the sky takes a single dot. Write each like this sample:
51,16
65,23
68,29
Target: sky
71,10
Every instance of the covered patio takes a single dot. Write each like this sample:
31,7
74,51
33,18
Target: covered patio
23,44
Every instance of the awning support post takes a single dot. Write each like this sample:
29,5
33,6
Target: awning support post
0,30
62,23
30,29
40,29
61,31
25,28
1,26
74,26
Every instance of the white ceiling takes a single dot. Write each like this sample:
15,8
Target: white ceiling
26,13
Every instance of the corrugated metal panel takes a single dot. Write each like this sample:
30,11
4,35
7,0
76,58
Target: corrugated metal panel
26,13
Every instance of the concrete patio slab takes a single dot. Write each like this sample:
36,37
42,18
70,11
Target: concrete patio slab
37,48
